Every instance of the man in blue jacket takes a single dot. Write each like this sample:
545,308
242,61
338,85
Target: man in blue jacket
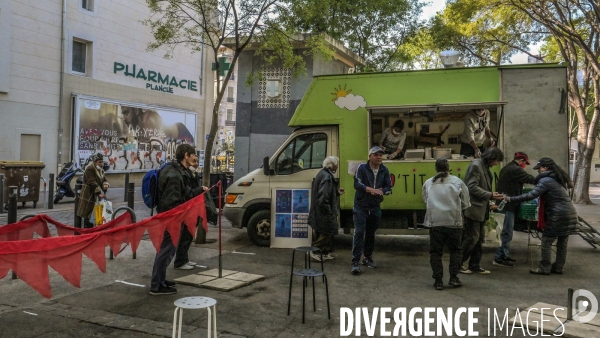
372,181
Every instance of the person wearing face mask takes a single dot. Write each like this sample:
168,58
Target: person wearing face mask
510,183
392,140
557,217
324,208
94,188
182,261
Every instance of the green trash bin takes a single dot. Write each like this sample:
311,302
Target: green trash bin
26,176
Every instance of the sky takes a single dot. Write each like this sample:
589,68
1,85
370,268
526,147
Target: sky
437,5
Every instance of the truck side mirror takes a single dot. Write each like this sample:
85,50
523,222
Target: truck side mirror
266,168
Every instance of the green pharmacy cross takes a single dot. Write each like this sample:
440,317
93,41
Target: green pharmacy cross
223,66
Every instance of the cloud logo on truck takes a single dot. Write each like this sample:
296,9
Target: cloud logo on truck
343,99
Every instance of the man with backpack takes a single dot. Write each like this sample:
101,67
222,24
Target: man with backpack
174,189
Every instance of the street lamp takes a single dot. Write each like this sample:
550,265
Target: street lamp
449,58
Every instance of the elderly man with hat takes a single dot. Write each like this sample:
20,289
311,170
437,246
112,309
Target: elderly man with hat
510,183
94,188
371,181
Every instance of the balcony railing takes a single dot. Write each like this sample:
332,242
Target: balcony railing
230,123
230,99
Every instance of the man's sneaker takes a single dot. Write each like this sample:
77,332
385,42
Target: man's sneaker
454,281
508,259
481,270
355,269
191,263
438,285
163,290
463,269
328,257
503,263
369,262
556,272
170,284
316,257
539,271
184,267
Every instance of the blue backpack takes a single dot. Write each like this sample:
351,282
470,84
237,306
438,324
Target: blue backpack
150,187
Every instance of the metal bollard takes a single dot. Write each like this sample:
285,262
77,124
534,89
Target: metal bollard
51,193
126,185
133,219
570,305
1,193
12,211
130,194
77,219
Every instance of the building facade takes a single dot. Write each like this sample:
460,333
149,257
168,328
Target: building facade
81,81
264,109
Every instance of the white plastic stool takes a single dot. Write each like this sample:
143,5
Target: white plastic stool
195,303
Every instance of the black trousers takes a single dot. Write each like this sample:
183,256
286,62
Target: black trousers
185,241
451,238
473,238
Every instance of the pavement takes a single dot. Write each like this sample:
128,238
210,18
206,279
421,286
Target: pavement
105,307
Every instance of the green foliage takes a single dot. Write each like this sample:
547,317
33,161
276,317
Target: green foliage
373,29
484,31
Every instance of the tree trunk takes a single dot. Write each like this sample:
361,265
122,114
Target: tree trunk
581,193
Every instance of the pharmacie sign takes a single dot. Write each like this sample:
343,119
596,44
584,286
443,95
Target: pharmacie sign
155,80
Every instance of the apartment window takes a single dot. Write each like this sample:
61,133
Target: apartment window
87,5
229,94
78,64
229,114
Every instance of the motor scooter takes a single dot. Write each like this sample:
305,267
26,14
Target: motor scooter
63,181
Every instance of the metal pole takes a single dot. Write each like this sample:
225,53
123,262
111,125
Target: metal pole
1,193
12,211
130,188
570,305
126,185
51,193
220,254
77,219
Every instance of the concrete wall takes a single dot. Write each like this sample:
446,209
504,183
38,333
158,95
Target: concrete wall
261,131
29,76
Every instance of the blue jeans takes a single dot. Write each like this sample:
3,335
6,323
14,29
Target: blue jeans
366,223
506,236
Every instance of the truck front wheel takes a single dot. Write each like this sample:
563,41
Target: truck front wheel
259,228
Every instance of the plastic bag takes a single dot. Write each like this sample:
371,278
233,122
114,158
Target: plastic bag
97,214
107,211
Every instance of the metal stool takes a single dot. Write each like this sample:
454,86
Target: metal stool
306,273
195,303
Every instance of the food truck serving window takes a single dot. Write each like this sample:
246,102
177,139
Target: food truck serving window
306,151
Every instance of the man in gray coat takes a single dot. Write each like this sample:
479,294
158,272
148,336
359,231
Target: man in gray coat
324,208
479,181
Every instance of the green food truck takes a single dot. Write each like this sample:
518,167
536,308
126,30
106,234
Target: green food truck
344,115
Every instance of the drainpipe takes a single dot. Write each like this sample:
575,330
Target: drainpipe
62,81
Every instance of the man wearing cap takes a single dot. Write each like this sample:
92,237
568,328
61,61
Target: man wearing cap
510,183
371,181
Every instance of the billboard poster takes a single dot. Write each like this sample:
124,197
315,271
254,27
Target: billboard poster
132,137
289,218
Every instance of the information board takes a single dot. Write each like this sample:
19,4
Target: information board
289,218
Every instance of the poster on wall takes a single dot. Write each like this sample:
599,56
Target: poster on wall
289,218
132,137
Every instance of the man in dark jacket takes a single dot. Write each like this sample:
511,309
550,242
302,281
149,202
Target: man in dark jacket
557,215
479,181
371,182
510,183
324,208
174,189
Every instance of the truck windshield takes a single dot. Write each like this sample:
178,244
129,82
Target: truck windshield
306,151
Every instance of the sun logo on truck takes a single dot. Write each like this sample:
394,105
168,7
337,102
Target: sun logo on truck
339,92
343,98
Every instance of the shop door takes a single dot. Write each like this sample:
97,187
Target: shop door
30,147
